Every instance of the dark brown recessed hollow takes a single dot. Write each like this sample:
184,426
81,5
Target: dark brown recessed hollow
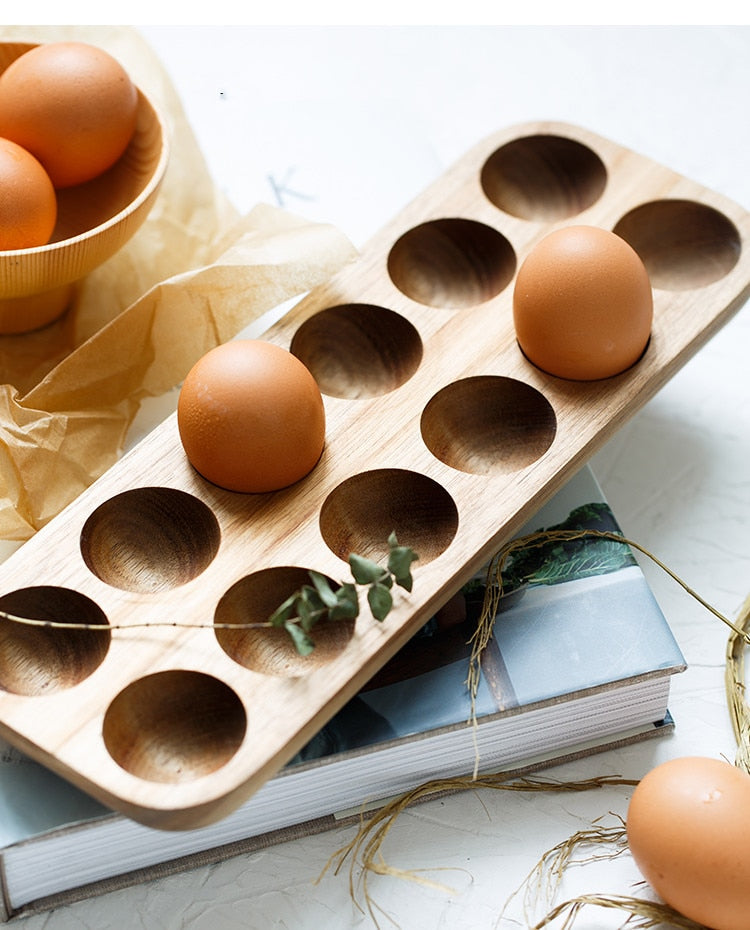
543,177
360,514
682,243
174,726
488,425
270,650
150,539
38,660
451,263
358,350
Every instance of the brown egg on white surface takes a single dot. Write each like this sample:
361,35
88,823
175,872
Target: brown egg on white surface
583,304
688,825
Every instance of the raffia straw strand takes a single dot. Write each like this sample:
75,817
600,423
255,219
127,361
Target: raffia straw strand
364,849
483,633
383,819
735,688
648,913
547,874
545,879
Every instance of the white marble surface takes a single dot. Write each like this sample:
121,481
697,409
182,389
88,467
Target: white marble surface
356,121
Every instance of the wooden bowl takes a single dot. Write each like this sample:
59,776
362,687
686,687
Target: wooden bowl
94,220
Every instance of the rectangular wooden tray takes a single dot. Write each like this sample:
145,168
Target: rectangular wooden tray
437,427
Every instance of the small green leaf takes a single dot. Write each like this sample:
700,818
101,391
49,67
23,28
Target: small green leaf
324,589
399,564
284,611
380,600
302,642
365,571
347,603
310,608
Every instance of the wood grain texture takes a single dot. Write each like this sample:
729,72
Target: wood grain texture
437,428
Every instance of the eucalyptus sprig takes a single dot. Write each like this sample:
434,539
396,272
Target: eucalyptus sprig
319,600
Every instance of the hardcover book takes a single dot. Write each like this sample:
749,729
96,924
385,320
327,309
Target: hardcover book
580,660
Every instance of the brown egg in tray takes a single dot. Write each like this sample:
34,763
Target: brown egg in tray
437,427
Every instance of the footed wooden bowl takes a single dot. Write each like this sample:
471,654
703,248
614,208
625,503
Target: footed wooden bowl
94,221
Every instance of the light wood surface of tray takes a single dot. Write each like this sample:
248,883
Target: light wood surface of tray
437,428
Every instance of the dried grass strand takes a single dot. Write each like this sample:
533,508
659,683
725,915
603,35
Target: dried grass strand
642,913
494,589
736,691
545,878
364,850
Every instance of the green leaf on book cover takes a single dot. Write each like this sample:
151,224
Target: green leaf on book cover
556,561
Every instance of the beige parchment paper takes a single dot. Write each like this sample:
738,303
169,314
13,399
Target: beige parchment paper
194,276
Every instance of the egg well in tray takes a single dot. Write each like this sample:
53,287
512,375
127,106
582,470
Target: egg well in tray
438,428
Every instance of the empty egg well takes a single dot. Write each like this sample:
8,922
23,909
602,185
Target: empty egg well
683,243
543,177
488,425
451,263
270,650
358,350
36,660
174,726
150,539
360,514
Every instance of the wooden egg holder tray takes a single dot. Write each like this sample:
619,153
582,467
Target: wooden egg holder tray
437,428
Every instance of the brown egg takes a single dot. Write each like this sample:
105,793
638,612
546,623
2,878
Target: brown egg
72,105
582,304
251,417
688,826
28,203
